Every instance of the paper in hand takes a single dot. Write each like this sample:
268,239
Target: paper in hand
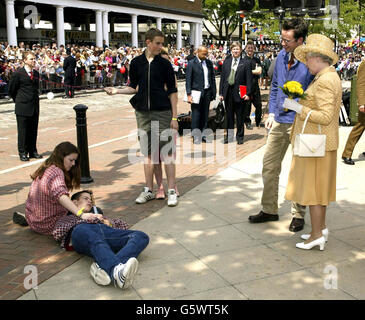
195,94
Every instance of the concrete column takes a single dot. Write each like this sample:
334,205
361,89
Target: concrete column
197,39
192,33
200,33
98,28
178,35
134,30
105,28
159,23
60,26
10,23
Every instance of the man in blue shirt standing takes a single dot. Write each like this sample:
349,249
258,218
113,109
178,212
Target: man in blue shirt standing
280,122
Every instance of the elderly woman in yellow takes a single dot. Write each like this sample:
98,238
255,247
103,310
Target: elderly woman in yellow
312,180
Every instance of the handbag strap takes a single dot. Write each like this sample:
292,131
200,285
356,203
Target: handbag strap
306,120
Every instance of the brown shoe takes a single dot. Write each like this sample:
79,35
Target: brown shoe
263,217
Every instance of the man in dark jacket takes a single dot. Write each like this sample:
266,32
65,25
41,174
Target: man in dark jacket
155,104
200,77
23,88
69,66
191,55
236,72
255,92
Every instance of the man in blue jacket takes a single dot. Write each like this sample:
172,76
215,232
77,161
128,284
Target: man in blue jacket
280,122
200,77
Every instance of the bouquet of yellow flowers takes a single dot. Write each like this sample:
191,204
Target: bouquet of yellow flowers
293,89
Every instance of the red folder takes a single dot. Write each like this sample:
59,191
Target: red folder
243,91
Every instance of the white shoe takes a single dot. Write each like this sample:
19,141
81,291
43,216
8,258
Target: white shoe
124,273
146,195
171,198
307,246
325,233
99,275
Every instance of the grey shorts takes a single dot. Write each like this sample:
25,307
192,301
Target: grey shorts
154,133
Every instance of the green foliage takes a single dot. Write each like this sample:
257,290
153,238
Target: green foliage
222,14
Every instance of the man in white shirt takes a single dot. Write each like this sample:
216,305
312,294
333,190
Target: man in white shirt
200,77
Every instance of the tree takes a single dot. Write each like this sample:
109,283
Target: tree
353,19
222,16
224,19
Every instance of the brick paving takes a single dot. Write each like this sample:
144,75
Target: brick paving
116,184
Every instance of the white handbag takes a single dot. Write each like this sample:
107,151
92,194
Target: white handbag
309,145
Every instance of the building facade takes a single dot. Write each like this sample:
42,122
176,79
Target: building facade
101,16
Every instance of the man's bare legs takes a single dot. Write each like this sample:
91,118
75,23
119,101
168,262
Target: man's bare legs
148,172
170,170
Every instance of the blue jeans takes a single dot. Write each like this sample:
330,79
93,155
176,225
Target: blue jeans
108,246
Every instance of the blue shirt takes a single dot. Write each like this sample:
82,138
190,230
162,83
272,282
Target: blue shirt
298,72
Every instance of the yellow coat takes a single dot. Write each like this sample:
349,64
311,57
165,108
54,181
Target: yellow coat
360,89
324,97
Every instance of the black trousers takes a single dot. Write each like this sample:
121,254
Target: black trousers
27,133
233,109
256,101
69,84
200,114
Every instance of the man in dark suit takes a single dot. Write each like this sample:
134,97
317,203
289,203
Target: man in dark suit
23,88
191,53
235,72
255,92
200,77
69,66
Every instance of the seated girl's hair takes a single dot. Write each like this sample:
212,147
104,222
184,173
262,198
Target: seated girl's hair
72,177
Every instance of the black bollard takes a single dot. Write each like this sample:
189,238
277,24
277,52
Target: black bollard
82,142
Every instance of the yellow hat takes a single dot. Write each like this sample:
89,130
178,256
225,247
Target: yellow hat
316,43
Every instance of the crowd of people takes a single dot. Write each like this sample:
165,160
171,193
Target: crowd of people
98,67
349,61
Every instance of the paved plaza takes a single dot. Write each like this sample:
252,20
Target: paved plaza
204,248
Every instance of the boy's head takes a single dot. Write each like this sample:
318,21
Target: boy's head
83,199
154,41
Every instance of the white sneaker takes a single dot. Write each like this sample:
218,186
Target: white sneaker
99,275
124,273
171,198
146,195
